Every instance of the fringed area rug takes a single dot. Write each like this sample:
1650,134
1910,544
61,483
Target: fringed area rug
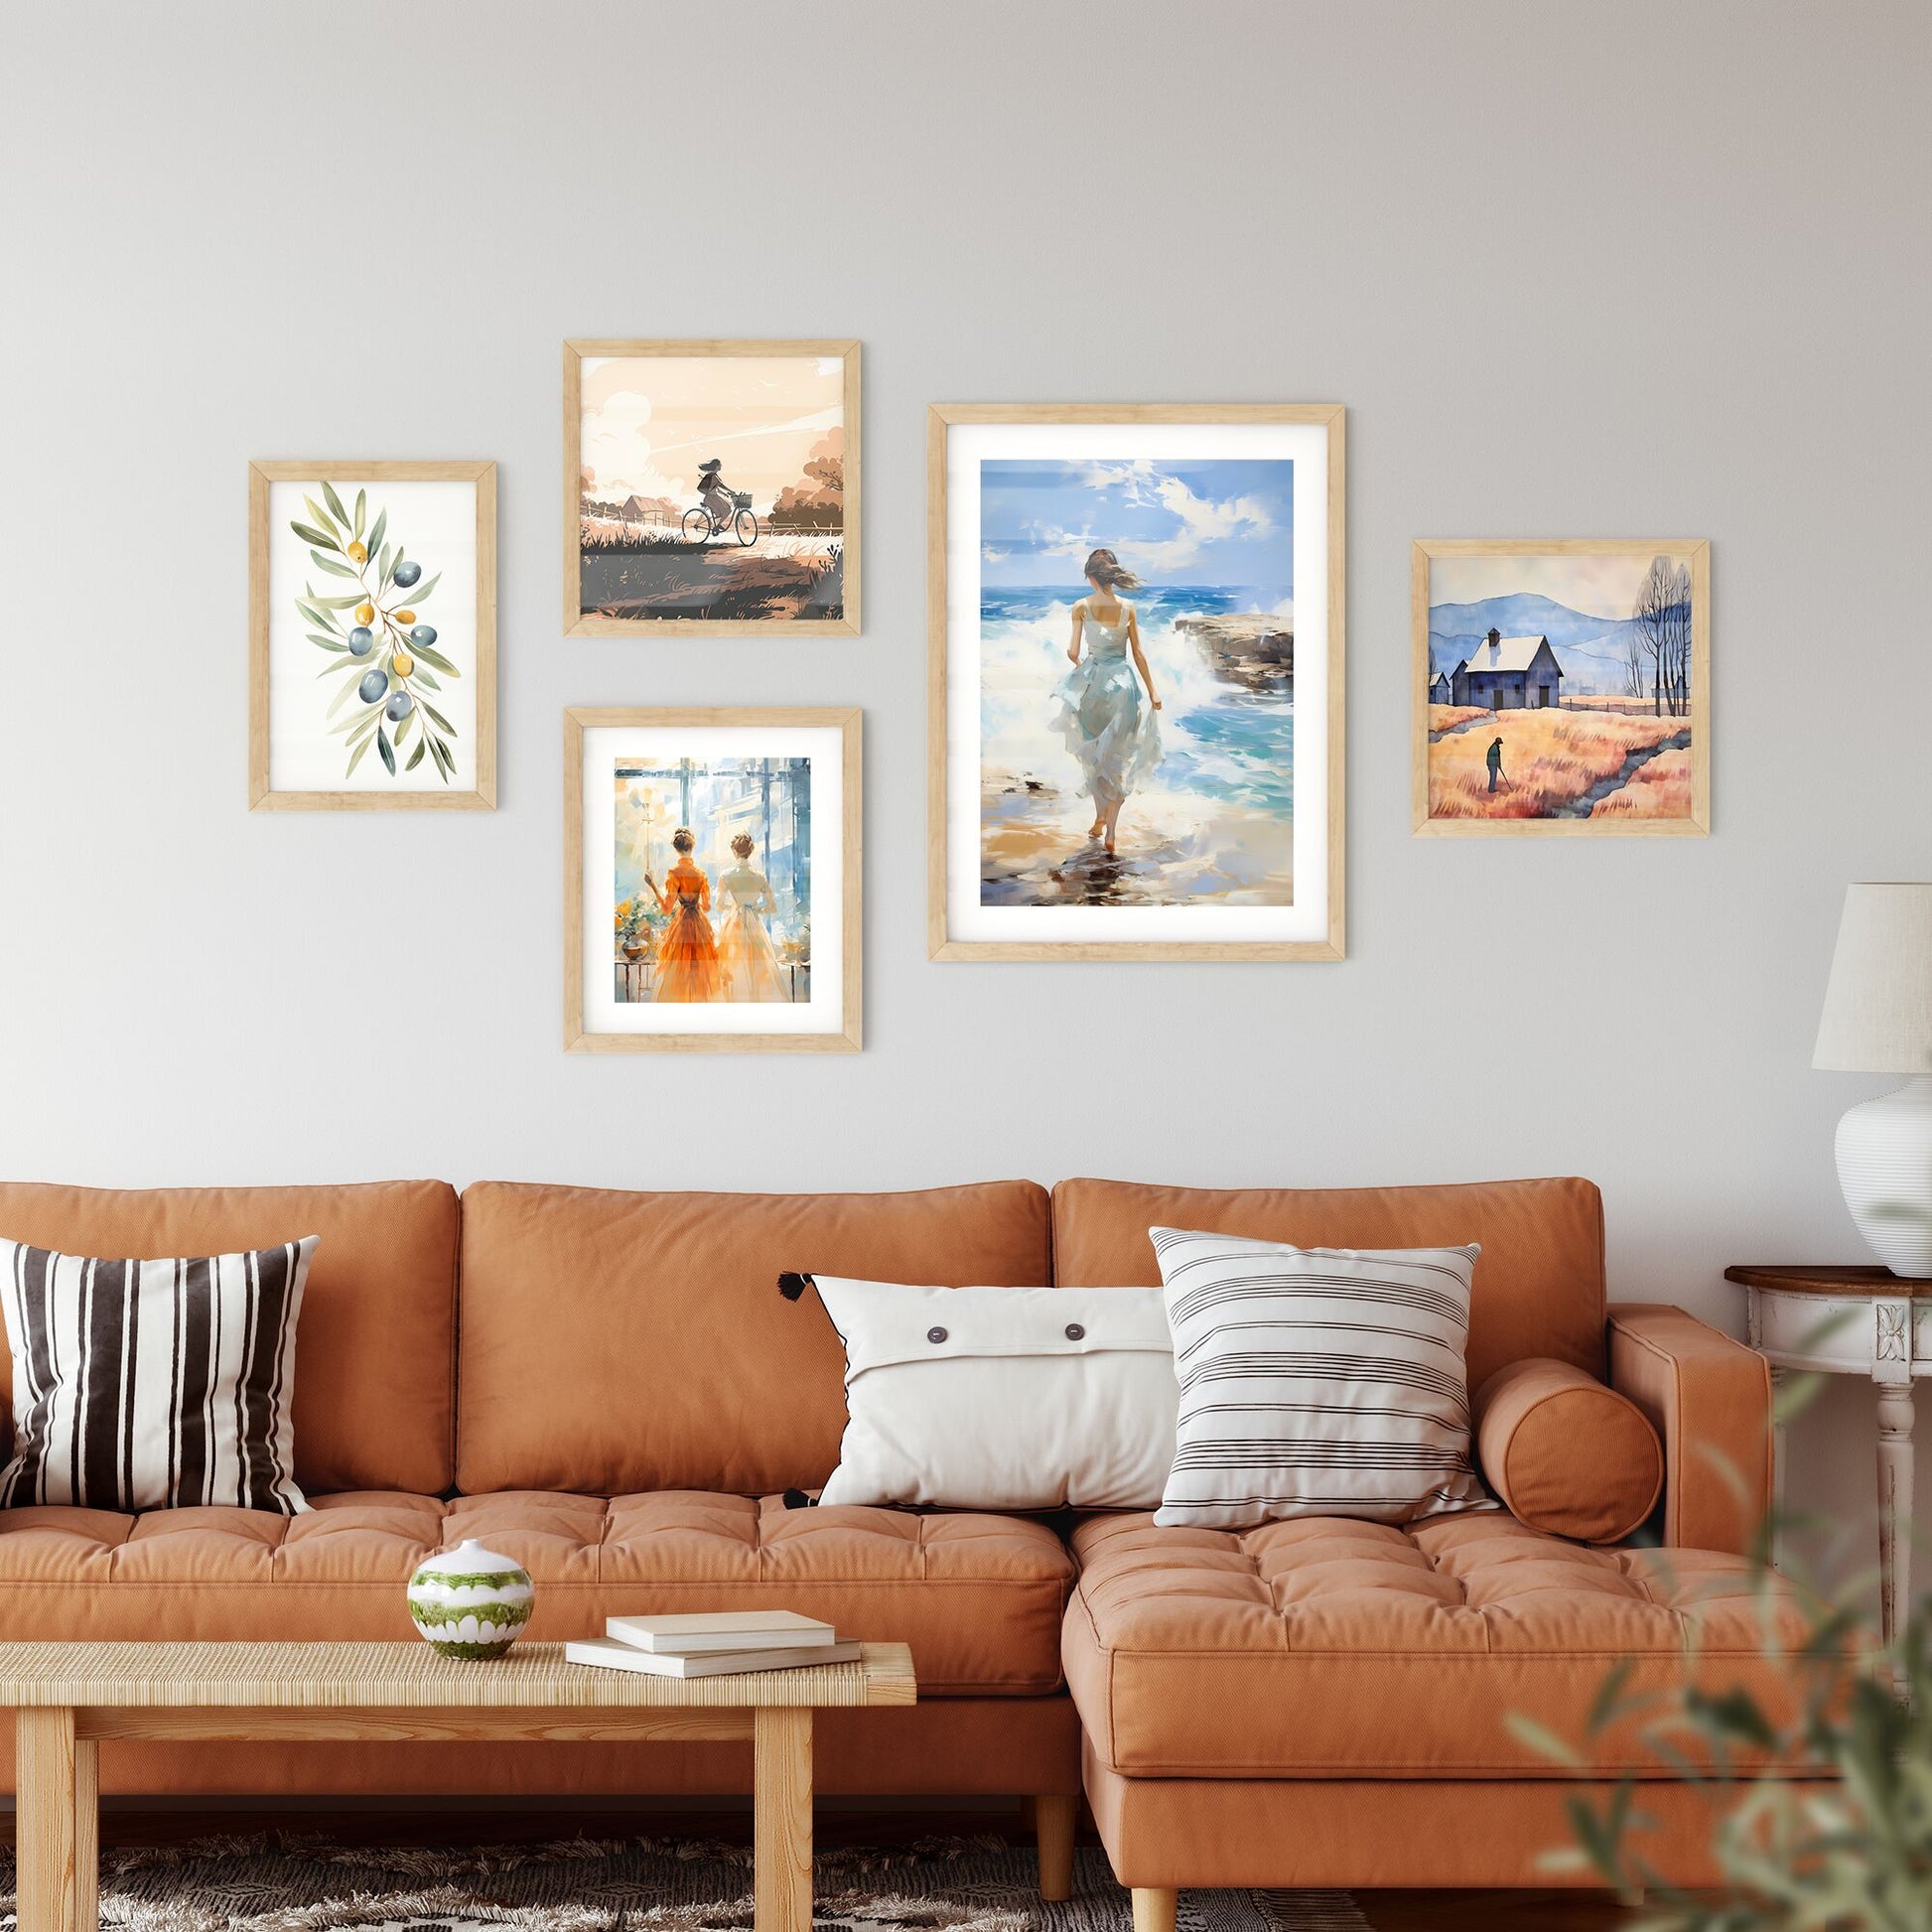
289,1883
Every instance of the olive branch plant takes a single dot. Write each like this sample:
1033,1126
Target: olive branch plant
1845,1847
388,658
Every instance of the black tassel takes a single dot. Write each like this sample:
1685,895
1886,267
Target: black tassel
798,1499
791,1286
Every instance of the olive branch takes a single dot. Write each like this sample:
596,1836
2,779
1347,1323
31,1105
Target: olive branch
388,659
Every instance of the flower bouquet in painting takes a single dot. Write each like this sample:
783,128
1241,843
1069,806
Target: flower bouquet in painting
382,653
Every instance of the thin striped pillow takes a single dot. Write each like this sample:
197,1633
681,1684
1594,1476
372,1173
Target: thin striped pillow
1316,1381
153,1384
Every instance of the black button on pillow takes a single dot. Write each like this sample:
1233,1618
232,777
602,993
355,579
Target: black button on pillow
935,1334
1074,1332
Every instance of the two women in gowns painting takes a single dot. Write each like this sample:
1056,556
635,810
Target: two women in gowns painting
738,962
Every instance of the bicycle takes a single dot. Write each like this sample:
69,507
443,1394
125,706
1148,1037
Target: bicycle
700,526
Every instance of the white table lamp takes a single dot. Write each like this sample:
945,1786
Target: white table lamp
1877,1019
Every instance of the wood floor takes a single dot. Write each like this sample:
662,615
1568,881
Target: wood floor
1392,1911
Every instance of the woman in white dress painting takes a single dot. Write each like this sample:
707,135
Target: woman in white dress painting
746,958
1099,707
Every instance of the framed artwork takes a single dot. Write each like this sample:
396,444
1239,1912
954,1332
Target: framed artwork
371,637
1562,687
711,486
712,882
1135,684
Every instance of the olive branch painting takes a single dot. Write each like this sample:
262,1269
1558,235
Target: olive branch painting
389,653
388,571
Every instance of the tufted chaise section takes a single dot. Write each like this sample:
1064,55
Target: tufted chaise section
1329,1648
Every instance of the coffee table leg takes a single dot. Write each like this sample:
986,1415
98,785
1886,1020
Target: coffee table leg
44,1823
86,1835
781,1779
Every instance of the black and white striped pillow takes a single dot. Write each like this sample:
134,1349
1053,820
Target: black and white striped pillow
1316,1381
153,1384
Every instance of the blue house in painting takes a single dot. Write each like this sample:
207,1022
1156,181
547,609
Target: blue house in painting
1509,674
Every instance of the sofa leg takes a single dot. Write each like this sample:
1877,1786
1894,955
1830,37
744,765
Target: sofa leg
1053,1833
1154,1908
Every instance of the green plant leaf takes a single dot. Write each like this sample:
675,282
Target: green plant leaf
320,517
387,750
403,730
362,504
389,568
376,534
335,704
431,655
326,643
339,603
310,534
313,612
356,757
439,718
416,757
422,677
420,591
334,502
333,568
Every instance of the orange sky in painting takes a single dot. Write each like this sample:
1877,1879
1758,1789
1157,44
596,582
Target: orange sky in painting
649,421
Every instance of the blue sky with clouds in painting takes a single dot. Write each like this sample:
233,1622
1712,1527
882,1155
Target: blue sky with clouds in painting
1223,521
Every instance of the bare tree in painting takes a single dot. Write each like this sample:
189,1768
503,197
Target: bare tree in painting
1661,636
1633,663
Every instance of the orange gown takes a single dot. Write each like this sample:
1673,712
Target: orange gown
687,952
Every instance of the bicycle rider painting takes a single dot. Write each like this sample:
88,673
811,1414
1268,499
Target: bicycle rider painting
717,486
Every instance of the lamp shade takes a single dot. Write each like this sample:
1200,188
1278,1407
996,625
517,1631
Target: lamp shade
1877,1015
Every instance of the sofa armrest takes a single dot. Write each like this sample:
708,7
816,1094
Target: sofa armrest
1710,1400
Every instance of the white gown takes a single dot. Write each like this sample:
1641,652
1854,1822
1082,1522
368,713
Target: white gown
1105,715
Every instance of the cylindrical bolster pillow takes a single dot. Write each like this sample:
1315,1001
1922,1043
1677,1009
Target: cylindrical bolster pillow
1565,1454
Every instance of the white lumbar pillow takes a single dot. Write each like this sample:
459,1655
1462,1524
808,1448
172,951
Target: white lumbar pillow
1003,1397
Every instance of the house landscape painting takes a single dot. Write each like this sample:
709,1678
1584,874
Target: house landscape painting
1562,687
715,485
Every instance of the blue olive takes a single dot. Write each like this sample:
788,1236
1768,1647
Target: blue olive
407,573
423,634
361,640
373,684
400,705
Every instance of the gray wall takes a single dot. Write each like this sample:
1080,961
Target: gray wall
1634,269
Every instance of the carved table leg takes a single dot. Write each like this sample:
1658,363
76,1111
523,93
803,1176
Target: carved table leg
1895,1512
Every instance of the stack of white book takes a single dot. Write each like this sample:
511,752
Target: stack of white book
712,1644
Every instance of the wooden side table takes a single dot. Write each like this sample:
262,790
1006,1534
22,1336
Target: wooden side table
1854,1322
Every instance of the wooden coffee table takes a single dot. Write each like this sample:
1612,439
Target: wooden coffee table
68,1697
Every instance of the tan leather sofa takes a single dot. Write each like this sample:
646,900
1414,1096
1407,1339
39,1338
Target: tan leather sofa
608,1387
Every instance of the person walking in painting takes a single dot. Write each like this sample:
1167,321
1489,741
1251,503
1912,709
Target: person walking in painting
1099,707
747,963
1496,777
687,955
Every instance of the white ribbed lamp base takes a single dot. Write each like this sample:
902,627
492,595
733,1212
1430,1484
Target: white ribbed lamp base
1884,1165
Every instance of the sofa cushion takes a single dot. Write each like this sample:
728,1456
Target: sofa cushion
374,1373
978,1597
619,1342
1329,1648
1539,1287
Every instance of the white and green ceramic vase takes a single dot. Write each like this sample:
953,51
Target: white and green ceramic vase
471,1602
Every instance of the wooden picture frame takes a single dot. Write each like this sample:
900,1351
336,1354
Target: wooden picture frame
1673,800
580,622
1325,424
263,594
842,1028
